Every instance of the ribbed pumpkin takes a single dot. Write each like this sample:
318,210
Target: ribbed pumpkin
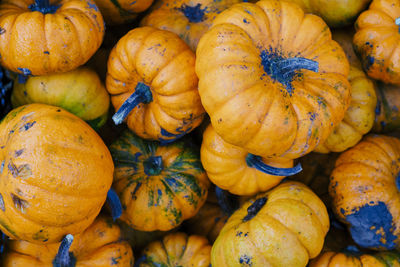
233,169
283,227
55,172
99,245
271,78
387,112
187,18
79,91
159,186
151,77
377,40
48,36
177,249
359,117
365,195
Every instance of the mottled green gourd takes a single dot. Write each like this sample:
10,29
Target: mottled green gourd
159,186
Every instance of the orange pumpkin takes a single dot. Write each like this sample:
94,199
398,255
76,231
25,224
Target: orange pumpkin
99,245
55,172
152,81
45,37
187,18
272,79
387,112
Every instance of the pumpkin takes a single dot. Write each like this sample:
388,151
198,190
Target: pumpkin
55,173
5,93
121,11
233,169
189,19
177,249
159,185
387,112
44,37
272,92
336,13
282,227
377,40
79,91
152,81
345,38
359,117
364,190
99,245
353,257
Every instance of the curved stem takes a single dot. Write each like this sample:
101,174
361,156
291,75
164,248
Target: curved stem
228,202
44,7
289,65
254,161
64,258
114,203
254,208
142,94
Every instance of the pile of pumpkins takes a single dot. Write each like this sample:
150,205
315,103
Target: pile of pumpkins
261,133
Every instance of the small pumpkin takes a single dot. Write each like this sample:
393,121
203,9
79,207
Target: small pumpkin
377,40
152,82
79,91
282,227
387,112
177,249
364,188
48,36
233,169
273,93
159,185
99,245
187,18
55,173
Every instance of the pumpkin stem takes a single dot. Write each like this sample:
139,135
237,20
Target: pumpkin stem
114,203
254,161
228,202
64,258
142,94
153,165
140,260
193,13
254,208
283,69
44,7
352,250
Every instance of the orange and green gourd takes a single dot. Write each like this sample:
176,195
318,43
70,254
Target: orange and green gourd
285,226
100,245
79,91
159,185
272,79
48,36
387,112
187,18
364,189
55,174
153,84
176,249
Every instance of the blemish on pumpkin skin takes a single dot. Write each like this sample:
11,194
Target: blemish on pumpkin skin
115,261
27,126
19,203
18,153
2,206
2,166
245,260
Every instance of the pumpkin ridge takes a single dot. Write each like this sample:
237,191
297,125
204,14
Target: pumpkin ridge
76,32
387,155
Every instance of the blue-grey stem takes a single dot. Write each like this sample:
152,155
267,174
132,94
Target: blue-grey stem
44,7
193,13
114,204
254,161
153,165
228,202
254,208
64,258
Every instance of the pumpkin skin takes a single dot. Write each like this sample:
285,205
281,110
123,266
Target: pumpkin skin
387,112
282,227
99,245
230,65
155,57
189,19
177,249
73,34
79,91
159,186
55,172
377,40
359,117
364,190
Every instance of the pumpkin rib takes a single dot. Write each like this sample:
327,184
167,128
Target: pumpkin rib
376,145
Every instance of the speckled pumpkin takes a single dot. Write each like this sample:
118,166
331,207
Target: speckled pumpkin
233,169
190,19
387,112
377,40
100,245
159,186
272,79
283,227
151,77
364,188
79,91
55,172
359,117
48,36
177,249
